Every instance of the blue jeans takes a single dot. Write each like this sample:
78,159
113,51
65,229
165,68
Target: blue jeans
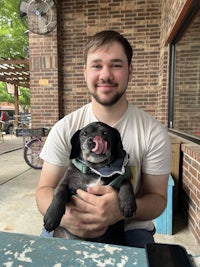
44,233
133,238
139,237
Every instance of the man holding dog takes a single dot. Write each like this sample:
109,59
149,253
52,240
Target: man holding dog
107,72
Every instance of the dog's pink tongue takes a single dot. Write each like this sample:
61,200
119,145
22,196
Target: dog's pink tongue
100,145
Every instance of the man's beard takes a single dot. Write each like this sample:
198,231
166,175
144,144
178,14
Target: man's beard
109,102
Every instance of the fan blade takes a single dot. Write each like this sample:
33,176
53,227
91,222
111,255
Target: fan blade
45,6
42,25
50,2
23,7
32,7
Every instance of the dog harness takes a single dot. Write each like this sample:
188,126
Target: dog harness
119,167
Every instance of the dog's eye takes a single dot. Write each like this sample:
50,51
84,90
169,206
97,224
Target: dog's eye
105,133
84,133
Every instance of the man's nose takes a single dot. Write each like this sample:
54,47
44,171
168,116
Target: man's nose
106,74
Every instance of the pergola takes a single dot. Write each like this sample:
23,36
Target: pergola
15,72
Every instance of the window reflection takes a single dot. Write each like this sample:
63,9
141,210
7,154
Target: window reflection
186,117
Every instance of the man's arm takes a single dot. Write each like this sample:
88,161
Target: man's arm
49,179
153,200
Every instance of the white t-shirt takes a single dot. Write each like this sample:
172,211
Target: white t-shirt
144,139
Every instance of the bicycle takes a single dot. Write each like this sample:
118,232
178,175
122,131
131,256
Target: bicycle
33,147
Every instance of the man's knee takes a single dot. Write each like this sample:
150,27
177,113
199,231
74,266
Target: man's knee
139,237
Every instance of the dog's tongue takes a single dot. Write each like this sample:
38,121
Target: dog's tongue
100,145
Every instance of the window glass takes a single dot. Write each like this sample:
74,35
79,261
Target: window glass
186,117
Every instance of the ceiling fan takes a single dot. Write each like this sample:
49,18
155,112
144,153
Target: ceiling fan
40,16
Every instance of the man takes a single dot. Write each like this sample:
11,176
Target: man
107,71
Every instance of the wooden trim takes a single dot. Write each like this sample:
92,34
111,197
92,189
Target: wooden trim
179,21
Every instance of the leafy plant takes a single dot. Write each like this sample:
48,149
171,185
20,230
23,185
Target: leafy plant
24,97
14,43
4,96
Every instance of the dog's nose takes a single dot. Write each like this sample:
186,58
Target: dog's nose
90,140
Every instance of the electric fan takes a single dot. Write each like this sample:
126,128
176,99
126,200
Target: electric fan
40,16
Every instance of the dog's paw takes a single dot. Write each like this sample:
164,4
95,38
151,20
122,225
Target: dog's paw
52,218
128,208
127,200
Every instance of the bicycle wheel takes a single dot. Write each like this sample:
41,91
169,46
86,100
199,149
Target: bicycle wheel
32,151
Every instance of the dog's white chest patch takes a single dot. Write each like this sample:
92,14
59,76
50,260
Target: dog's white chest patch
95,182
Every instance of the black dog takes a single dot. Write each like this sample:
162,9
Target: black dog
97,157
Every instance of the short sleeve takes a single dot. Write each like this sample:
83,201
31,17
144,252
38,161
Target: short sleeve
57,146
157,157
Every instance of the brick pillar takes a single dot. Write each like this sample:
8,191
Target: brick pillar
43,51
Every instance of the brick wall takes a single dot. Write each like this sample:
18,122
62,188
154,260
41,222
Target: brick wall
44,79
191,187
138,20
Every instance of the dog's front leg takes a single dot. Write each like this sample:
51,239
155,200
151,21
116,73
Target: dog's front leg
56,209
127,199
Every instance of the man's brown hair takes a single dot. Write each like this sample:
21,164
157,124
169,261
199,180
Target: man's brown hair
105,38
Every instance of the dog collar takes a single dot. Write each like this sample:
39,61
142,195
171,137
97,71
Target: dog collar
81,166
119,167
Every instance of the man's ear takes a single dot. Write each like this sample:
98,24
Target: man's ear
130,72
117,149
85,75
75,142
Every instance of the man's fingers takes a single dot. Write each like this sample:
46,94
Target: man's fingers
100,190
83,198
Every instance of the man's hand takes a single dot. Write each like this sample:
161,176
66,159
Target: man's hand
92,212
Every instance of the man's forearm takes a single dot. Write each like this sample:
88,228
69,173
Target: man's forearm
43,198
149,207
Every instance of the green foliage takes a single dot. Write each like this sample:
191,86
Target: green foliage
24,97
4,96
13,43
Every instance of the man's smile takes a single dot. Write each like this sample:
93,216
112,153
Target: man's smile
106,87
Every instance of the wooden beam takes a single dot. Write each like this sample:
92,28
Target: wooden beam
188,4
17,82
14,61
16,97
15,71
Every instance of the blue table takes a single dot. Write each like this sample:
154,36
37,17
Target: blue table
25,250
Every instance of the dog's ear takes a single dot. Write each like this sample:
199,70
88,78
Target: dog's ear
75,142
117,149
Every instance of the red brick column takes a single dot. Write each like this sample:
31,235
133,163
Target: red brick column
43,54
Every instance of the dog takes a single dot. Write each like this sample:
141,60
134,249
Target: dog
97,157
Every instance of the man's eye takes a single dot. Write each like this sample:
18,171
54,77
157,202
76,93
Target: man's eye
96,66
116,66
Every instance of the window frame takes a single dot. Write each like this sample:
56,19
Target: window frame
188,13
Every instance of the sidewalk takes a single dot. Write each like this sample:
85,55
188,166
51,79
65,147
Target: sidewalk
11,143
18,210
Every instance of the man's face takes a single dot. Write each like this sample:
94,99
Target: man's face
107,73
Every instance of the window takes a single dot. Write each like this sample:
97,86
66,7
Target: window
184,78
